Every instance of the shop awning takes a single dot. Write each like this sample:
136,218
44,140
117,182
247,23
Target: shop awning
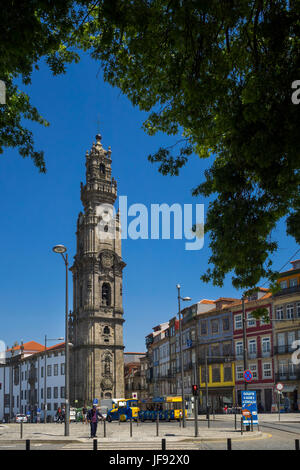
289,388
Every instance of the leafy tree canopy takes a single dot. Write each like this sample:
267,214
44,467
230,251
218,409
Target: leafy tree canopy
218,72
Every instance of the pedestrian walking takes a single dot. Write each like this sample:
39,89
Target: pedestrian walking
93,416
84,415
286,404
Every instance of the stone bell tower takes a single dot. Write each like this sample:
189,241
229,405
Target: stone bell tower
96,324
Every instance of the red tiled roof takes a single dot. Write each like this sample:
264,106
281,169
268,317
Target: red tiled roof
134,353
29,346
226,298
56,346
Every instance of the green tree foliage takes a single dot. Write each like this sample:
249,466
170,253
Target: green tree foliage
217,72
220,73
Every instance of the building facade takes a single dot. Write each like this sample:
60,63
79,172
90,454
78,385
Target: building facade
135,368
215,357
259,348
23,377
286,314
96,326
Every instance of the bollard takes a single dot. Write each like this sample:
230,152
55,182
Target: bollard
242,425
27,444
251,423
228,444
21,430
208,421
95,443
163,444
235,421
104,428
297,444
130,425
157,425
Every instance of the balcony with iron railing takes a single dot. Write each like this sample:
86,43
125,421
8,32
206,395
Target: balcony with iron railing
216,359
287,290
284,349
188,366
287,376
165,375
253,355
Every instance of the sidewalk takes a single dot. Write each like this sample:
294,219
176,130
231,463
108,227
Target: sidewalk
266,417
120,433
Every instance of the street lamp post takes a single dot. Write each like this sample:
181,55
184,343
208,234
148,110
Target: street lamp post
206,385
61,249
245,347
245,354
181,356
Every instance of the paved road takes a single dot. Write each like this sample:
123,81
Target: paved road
276,436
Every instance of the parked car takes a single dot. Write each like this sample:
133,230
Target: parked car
20,418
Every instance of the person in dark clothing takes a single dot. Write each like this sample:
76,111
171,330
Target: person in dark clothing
93,416
84,415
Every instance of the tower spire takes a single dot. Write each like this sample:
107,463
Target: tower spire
97,321
100,187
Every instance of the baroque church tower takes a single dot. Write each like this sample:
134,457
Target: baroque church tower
96,324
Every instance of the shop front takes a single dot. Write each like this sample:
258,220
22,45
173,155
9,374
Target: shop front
289,398
219,400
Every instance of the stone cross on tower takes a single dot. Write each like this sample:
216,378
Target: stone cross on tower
96,328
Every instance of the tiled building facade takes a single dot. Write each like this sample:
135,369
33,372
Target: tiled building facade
22,380
213,333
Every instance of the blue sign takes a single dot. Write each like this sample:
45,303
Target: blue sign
28,413
249,408
95,401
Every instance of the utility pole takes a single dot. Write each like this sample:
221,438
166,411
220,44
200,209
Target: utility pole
61,249
245,340
245,347
206,384
181,358
181,354
45,372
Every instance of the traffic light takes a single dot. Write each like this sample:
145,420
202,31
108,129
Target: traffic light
195,390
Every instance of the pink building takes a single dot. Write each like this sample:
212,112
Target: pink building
259,343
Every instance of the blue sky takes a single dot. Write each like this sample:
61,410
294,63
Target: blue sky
39,211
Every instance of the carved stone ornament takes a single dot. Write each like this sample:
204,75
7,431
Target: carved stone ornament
106,384
107,260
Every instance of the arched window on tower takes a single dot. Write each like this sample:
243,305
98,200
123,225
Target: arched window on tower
106,294
107,365
102,169
106,330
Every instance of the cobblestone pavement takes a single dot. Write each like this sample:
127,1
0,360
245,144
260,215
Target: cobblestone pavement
273,434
